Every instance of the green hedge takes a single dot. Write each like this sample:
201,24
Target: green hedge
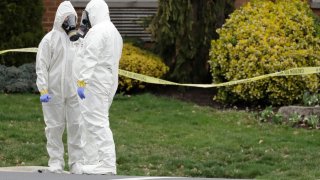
20,26
265,37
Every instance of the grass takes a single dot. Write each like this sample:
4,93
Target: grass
165,137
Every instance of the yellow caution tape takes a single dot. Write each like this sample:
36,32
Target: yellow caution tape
289,72
149,79
34,50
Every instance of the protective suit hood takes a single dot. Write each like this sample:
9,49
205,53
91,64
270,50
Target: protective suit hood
64,10
98,11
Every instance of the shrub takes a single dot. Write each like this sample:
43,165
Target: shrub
312,121
268,115
309,99
139,61
18,80
20,26
182,30
265,37
295,119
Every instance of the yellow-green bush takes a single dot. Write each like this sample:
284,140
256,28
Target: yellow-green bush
139,61
265,37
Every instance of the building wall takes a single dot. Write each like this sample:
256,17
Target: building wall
50,8
52,5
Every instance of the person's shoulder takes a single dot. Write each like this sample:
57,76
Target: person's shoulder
46,39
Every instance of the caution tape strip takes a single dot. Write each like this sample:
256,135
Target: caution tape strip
33,50
289,72
152,80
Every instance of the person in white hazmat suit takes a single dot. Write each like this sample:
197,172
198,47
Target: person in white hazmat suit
96,72
59,99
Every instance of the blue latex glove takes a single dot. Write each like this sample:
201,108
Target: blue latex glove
80,91
45,98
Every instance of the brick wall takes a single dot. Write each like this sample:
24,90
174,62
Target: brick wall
50,8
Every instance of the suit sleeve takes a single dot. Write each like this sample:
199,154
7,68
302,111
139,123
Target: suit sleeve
92,48
42,66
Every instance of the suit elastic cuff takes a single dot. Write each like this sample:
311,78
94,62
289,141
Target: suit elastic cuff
81,83
44,91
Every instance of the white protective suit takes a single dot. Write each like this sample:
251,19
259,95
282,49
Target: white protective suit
54,76
97,69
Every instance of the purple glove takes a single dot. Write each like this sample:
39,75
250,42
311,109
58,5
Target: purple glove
80,91
45,98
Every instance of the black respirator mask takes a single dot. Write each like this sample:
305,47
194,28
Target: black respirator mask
85,24
69,26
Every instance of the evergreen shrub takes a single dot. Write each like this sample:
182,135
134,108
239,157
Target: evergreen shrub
20,27
182,31
18,80
264,37
139,61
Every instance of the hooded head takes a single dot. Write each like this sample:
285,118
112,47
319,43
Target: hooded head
65,9
98,11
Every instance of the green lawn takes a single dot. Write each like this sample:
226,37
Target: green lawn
165,137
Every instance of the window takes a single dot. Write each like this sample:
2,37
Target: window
315,3
127,15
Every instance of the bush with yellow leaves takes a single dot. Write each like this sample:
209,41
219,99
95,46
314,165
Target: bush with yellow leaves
139,61
264,37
